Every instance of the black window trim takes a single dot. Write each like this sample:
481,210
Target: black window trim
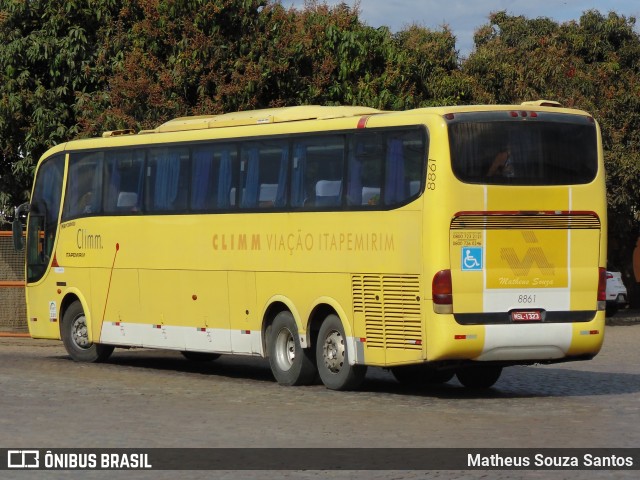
238,141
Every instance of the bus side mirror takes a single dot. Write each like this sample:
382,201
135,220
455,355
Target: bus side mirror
16,226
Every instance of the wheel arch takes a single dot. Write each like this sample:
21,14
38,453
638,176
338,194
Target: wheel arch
323,307
71,296
275,305
308,328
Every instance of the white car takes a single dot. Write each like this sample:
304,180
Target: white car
616,293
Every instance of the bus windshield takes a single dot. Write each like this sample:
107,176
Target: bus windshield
548,149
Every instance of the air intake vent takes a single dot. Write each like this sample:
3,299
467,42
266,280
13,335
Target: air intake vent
391,308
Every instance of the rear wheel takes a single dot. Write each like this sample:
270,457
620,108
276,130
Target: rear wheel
421,375
479,376
332,357
290,363
75,337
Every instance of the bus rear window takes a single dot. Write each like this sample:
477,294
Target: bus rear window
559,151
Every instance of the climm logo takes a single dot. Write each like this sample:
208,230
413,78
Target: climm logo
240,241
88,241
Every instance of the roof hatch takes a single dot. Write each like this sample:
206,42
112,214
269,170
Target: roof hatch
260,117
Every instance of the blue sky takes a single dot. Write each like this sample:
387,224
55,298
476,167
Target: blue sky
465,16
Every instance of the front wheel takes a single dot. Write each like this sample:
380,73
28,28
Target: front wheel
290,363
332,357
75,337
479,376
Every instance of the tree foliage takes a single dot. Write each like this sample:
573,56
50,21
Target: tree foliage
189,58
47,56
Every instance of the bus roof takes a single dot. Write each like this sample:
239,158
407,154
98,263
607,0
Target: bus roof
317,112
258,117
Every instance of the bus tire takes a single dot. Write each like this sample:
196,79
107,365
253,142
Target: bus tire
290,363
479,376
421,375
332,357
75,337
200,356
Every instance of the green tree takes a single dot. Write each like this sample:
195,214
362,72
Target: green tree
169,59
46,59
204,57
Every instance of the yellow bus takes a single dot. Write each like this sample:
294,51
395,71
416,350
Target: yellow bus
432,242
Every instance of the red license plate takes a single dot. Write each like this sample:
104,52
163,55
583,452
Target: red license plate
529,316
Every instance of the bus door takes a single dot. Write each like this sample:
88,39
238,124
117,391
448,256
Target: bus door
42,228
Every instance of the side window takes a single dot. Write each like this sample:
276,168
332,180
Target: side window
84,185
405,163
123,179
167,180
264,171
385,168
317,172
366,170
214,177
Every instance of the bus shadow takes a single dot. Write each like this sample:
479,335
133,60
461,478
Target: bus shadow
524,382
515,382
227,366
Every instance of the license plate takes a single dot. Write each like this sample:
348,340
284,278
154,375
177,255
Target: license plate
529,316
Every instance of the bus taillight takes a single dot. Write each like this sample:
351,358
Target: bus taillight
442,291
602,288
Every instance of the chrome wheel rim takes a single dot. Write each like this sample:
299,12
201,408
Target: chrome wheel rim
80,332
333,352
285,349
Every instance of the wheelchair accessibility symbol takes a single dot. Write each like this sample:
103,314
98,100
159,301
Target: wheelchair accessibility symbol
471,259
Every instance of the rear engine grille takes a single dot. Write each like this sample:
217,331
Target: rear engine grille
391,308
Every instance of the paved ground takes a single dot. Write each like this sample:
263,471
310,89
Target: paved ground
145,398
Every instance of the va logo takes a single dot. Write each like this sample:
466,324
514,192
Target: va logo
534,255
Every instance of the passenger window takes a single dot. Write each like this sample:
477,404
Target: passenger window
264,175
317,172
366,170
84,185
167,180
385,169
123,172
214,177
414,155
